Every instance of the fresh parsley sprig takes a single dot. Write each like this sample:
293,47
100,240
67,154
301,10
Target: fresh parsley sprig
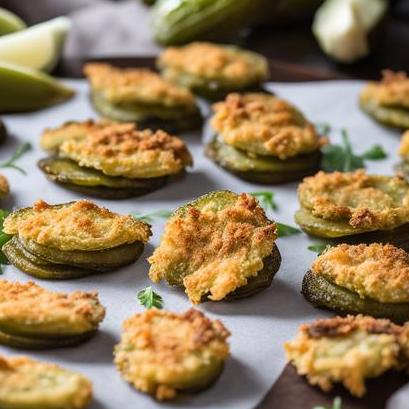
150,217
149,299
266,200
342,157
18,153
284,230
337,404
319,248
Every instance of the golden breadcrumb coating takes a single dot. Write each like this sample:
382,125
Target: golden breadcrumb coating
80,225
404,145
25,382
28,306
363,201
214,62
393,90
162,352
377,271
264,125
52,138
118,150
346,350
215,251
136,85
4,186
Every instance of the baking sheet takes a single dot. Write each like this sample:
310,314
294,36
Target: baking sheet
259,325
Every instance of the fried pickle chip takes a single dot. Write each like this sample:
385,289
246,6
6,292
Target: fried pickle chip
369,279
80,225
342,204
32,311
345,350
26,383
118,150
163,353
213,70
215,245
387,101
4,187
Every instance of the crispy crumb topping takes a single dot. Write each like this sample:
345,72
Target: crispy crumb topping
120,150
226,64
377,271
4,186
404,145
214,249
346,350
25,382
52,138
392,90
364,201
264,125
136,86
80,225
162,352
28,307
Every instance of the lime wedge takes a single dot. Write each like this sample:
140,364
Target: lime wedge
24,89
39,47
9,22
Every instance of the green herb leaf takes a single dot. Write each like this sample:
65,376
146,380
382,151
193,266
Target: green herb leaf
343,158
323,128
149,299
266,200
337,404
18,153
319,248
375,153
149,217
284,230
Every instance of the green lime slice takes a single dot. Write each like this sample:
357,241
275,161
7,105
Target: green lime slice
38,47
24,89
9,22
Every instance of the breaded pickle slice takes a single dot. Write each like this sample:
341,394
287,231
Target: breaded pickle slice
262,169
387,101
216,247
346,350
95,183
213,70
142,96
35,318
72,240
343,204
361,279
164,354
29,384
4,187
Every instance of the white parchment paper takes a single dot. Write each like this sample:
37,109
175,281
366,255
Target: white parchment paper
259,325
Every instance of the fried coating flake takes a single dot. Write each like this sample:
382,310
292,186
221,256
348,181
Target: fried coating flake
214,249
162,353
30,308
136,85
210,61
80,225
52,138
4,187
119,150
26,383
377,271
392,90
404,145
364,201
346,350
265,125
